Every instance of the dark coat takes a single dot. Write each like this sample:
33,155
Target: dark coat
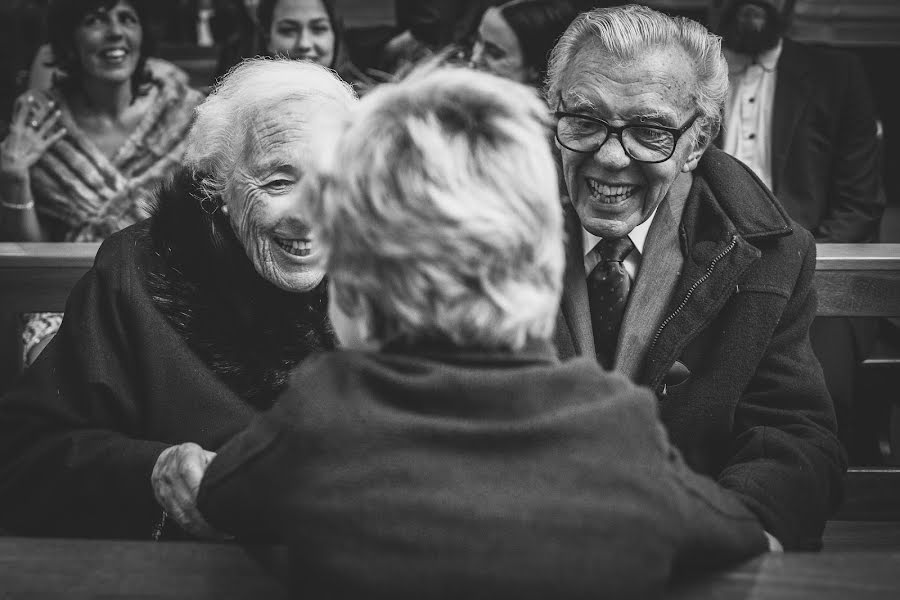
171,337
426,472
750,407
825,156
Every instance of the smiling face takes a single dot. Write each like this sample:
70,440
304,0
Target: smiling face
611,192
108,43
302,30
264,199
497,49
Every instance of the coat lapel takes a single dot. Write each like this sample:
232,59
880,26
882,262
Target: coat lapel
576,311
661,265
792,93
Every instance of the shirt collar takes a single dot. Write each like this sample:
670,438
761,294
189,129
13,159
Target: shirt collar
638,235
739,62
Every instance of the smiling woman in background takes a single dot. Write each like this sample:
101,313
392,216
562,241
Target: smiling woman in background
301,30
514,39
81,159
186,325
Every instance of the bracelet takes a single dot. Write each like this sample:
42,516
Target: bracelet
14,206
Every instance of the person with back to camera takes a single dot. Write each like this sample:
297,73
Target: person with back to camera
82,158
684,273
445,452
187,324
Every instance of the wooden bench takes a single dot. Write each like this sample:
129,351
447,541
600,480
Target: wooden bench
851,279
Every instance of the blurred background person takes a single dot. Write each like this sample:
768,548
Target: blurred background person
803,118
81,158
301,30
514,39
187,324
445,452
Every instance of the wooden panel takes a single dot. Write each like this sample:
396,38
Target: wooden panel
38,277
858,280
862,536
847,22
871,494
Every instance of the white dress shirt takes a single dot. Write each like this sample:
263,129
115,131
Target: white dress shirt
632,262
748,112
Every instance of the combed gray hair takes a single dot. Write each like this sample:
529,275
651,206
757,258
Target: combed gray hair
437,208
252,88
624,32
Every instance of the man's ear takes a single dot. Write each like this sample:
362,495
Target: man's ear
693,159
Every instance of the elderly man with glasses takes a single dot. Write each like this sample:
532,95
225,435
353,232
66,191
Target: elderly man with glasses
684,272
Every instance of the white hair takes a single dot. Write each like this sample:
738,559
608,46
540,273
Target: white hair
627,32
252,88
437,207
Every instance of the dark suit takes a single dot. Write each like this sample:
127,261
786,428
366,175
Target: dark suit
825,165
728,354
825,171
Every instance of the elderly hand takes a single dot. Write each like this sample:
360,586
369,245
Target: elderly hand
34,128
176,478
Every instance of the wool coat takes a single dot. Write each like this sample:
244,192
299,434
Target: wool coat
739,388
171,337
426,471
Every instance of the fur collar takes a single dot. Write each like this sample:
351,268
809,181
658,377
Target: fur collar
249,332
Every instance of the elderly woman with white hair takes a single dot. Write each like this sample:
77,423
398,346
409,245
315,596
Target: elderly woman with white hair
445,452
186,326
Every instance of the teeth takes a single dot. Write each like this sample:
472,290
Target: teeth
295,247
612,192
117,53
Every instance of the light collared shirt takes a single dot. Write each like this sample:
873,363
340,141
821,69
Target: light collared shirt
748,112
632,262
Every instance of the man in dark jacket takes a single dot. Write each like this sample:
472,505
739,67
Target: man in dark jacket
684,273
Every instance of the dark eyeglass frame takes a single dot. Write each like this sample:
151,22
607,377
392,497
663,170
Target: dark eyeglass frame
676,133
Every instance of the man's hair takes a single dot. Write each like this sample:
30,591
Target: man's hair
253,88
627,32
437,209
63,19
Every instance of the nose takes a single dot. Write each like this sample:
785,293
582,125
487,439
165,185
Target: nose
304,40
477,59
611,153
114,29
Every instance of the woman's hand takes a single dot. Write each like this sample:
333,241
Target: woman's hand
34,128
176,478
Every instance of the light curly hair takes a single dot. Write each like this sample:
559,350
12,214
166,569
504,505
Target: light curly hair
626,32
255,87
437,207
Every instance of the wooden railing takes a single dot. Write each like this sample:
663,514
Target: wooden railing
851,280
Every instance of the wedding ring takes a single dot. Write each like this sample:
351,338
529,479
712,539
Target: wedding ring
34,124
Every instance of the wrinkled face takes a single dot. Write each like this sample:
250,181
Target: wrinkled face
752,26
108,43
265,203
497,49
302,30
611,192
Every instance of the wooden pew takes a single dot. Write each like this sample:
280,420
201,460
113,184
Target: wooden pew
851,279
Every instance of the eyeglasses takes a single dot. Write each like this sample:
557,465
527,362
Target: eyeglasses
643,143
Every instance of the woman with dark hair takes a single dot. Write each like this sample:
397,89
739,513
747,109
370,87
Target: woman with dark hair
82,157
514,39
298,29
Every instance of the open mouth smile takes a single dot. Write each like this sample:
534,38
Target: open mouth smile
610,194
295,247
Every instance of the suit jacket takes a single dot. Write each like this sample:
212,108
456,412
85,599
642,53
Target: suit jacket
435,472
825,155
739,388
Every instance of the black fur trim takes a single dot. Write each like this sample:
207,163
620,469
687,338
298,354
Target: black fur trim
249,332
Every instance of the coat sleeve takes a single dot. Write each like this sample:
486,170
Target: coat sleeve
856,199
72,458
786,462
